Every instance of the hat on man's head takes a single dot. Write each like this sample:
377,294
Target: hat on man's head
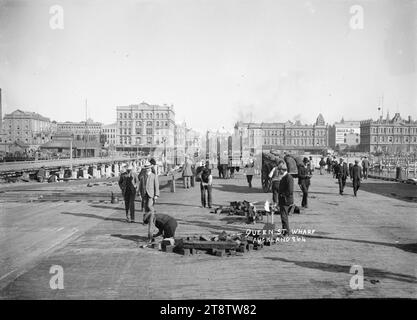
356,161
147,165
305,159
282,166
341,159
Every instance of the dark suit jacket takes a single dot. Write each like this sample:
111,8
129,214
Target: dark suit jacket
149,185
341,170
130,180
356,173
286,188
303,177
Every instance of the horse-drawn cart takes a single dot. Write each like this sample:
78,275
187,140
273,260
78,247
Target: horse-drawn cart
270,159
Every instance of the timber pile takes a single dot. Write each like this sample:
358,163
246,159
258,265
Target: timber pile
221,245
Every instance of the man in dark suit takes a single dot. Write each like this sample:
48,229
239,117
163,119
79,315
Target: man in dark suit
365,167
128,183
304,181
329,164
356,177
285,196
341,172
149,191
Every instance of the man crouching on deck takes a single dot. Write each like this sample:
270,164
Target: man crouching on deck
163,222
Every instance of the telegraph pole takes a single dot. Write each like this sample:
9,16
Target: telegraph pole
86,131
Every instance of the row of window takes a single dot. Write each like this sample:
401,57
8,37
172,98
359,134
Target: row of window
137,131
302,133
394,130
138,115
139,123
296,142
128,141
396,140
79,127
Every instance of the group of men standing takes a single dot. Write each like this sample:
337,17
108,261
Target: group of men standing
283,184
146,186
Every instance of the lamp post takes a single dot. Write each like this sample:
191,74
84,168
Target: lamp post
164,140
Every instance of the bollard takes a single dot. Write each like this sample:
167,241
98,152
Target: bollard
116,170
85,173
114,199
173,183
398,175
108,171
61,173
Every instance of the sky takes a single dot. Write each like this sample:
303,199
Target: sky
217,62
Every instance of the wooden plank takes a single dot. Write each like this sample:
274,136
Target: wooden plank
206,245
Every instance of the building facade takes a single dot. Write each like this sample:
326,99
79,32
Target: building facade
290,137
28,127
82,131
109,132
392,136
344,134
179,142
194,144
217,146
145,128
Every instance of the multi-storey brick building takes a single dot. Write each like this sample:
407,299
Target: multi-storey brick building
82,131
288,136
28,127
146,128
389,135
109,132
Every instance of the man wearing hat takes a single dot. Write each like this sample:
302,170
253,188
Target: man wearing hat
187,173
341,172
128,183
285,195
149,191
356,177
365,167
206,185
275,177
250,171
304,181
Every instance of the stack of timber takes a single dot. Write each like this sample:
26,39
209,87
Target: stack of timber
221,245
